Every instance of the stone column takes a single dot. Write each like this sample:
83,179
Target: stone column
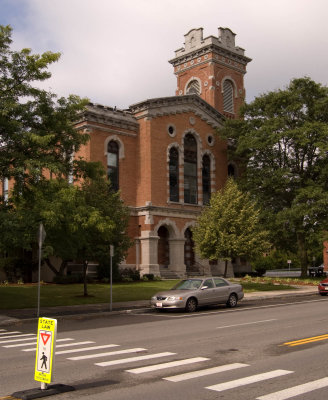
177,264
149,253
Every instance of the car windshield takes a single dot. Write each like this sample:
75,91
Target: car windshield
188,284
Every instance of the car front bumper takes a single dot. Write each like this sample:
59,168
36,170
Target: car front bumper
162,304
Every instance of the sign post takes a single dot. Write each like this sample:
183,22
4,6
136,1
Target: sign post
289,262
45,351
111,253
41,237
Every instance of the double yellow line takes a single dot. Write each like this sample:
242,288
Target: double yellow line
305,341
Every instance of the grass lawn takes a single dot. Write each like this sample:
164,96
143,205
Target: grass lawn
25,296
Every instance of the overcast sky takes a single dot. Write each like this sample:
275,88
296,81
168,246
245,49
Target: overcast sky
116,52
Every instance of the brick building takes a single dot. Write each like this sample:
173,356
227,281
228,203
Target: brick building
165,155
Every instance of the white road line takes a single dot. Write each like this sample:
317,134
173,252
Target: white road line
248,380
34,343
296,390
246,323
166,365
15,340
204,372
65,345
133,359
106,346
111,353
17,336
9,333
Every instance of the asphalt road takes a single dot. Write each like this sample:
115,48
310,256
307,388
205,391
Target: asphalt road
244,353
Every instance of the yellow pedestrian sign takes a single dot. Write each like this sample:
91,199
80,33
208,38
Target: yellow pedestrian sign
45,351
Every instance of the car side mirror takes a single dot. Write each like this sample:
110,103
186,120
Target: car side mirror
204,287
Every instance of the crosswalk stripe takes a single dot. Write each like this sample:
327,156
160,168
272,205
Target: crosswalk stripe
17,336
106,346
133,359
15,340
21,345
204,372
65,345
9,333
33,343
111,353
166,365
248,380
296,390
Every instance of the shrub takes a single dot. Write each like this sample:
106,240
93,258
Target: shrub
133,274
150,277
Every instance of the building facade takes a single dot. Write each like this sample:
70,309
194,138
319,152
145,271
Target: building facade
165,154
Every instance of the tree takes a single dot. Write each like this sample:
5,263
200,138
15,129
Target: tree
229,227
81,222
281,143
36,128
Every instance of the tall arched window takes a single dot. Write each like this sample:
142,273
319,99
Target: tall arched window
112,164
228,96
174,174
190,169
193,87
231,171
206,178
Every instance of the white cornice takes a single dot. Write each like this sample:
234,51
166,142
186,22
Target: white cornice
158,107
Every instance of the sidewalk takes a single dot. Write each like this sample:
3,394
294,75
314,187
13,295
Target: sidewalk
8,317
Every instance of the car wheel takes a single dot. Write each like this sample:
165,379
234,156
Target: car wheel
232,301
191,305
323,294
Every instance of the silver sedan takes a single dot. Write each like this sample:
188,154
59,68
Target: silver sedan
191,293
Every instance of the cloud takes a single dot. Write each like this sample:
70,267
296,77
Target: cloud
117,52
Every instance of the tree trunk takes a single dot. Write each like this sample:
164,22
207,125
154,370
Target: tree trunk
52,267
225,268
302,251
85,287
63,265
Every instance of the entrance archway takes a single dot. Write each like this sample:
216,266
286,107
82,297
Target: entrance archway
189,254
163,247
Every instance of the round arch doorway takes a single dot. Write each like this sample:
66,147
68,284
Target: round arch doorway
163,247
189,254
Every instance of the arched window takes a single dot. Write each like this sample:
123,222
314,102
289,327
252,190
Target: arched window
112,164
190,169
231,171
228,105
206,178
174,174
193,87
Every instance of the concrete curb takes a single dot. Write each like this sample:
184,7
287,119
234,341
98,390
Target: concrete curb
14,317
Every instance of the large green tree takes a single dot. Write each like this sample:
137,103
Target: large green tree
36,127
281,142
81,222
229,227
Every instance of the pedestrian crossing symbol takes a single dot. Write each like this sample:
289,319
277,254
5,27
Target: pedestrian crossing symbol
44,361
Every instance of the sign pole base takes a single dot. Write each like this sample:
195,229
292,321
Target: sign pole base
44,386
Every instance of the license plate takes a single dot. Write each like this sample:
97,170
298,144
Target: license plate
161,304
